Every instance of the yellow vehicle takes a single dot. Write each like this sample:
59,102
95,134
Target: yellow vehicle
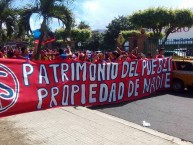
182,74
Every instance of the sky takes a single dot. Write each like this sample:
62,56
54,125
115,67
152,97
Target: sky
99,13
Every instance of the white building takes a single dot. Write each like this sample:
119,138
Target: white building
182,33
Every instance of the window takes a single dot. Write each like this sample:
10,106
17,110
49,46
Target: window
185,66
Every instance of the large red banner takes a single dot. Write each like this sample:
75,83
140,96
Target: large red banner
29,86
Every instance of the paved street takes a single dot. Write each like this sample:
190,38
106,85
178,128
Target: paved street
167,112
77,126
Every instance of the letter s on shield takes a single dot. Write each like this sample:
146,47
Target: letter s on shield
9,88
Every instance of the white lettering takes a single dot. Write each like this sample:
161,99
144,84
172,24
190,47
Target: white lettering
92,92
130,88
92,71
43,75
42,94
64,69
114,70
75,89
103,93
101,73
112,96
125,69
83,95
54,92
27,72
54,67
167,81
121,90
65,95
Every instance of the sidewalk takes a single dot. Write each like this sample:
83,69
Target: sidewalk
77,126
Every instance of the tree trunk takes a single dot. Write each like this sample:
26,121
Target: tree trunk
1,25
167,34
38,53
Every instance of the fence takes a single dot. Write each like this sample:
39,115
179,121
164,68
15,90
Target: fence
173,47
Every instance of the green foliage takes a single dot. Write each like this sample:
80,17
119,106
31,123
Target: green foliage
83,25
47,10
61,33
162,19
7,19
130,33
53,9
96,41
152,35
152,18
114,28
81,34
136,33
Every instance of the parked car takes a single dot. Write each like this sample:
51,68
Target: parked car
182,74
181,52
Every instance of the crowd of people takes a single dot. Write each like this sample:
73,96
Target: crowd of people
66,53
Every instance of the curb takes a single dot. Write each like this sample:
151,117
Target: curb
138,127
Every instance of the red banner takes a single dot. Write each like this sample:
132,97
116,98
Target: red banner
29,86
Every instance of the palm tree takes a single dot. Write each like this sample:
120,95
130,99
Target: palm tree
7,17
46,10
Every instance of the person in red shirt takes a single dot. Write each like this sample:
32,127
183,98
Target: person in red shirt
82,57
24,53
64,54
161,53
3,52
99,58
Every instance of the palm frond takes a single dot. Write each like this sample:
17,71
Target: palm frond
63,14
24,20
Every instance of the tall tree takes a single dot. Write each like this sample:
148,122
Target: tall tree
162,20
182,18
83,25
47,10
7,17
96,41
114,28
